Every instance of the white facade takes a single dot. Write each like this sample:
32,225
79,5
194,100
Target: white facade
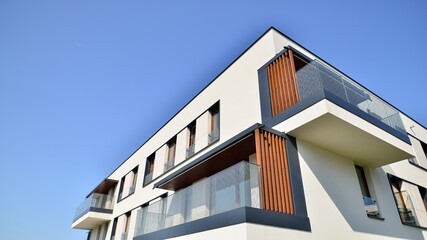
330,139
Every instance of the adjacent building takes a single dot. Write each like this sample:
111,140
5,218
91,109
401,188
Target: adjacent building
279,145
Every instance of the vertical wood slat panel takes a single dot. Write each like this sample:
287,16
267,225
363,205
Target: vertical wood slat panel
276,191
282,88
281,179
267,165
282,83
273,176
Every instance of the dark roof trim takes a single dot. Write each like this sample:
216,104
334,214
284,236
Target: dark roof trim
207,155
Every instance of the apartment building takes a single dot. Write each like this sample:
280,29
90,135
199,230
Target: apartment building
279,145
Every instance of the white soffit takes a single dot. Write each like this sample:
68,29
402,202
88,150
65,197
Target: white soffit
333,128
91,220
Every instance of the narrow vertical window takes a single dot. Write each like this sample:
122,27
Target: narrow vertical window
126,226
170,159
403,200
191,139
423,193
122,184
214,124
113,230
371,206
135,177
149,169
362,181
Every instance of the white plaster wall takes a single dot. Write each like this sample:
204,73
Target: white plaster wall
414,128
334,201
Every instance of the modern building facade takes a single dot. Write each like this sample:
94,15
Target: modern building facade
279,145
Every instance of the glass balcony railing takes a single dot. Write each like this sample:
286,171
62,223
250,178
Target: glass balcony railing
169,164
131,190
406,215
371,206
232,188
413,160
190,151
148,178
213,136
93,202
316,78
124,236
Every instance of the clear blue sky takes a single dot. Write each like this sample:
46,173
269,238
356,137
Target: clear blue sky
84,83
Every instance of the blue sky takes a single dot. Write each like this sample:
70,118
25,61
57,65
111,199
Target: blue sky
84,83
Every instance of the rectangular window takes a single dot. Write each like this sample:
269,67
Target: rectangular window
170,160
423,193
214,124
410,201
135,177
122,184
126,226
113,230
149,168
191,139
362,181
371,206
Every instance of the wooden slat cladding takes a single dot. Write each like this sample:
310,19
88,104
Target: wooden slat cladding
275,180
282,82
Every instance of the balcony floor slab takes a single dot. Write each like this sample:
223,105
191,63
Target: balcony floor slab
334,128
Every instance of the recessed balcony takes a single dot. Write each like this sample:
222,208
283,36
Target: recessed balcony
231,188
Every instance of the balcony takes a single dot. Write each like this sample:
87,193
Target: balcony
339,115
231,188
124,236
95,210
